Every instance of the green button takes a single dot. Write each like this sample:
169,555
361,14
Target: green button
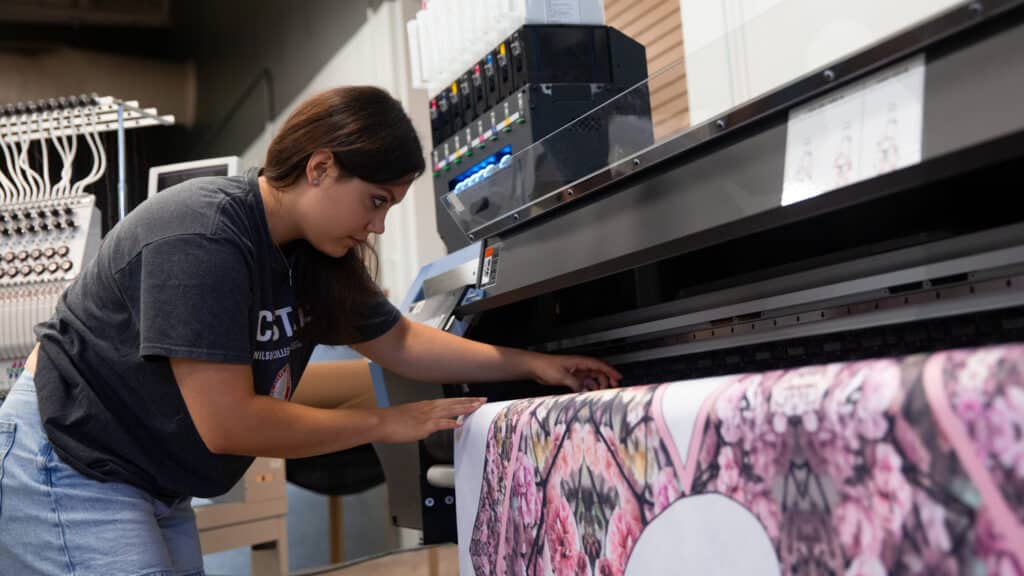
495,137
437,173
521,121
447,168
458,160
506,129
469,152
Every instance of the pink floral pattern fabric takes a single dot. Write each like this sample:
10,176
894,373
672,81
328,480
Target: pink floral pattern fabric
985,391
571,481
851,468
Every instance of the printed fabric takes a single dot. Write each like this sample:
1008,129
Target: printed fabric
892,466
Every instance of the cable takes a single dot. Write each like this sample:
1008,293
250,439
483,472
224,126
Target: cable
80,185
58,144
35,182
10,154
70,167
47,190
99,154
6,186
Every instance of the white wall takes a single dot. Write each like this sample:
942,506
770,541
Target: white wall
377,55
739,49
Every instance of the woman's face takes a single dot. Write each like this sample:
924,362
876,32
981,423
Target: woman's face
341,211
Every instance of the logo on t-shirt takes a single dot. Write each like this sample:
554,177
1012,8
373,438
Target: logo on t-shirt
272,324
282,387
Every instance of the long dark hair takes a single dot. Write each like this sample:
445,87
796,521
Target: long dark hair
371,138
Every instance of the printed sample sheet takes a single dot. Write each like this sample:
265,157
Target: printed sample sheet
862,131
909,465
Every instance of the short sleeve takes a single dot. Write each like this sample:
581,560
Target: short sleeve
193,299
380,316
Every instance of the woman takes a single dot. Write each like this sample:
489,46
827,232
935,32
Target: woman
168,364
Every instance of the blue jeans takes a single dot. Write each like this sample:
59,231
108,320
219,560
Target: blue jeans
55,521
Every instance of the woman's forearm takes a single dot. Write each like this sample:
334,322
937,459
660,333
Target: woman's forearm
430,355
264,426
426,354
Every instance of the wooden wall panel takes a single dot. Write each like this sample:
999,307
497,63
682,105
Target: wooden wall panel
658,26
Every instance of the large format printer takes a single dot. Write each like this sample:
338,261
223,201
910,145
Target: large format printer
680,260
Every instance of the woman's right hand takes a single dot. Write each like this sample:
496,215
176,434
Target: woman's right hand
417,420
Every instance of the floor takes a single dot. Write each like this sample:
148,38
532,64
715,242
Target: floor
427,561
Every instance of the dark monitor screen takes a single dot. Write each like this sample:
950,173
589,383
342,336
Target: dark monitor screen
167,179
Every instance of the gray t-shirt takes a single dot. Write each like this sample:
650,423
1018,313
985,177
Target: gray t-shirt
190,273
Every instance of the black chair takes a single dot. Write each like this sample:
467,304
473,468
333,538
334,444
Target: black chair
336,475
339,474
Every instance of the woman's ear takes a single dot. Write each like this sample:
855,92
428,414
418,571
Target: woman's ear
316,169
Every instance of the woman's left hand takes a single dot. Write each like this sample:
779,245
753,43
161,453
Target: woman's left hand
576,372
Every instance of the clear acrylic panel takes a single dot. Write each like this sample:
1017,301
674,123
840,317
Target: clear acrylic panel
735,62
612,132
